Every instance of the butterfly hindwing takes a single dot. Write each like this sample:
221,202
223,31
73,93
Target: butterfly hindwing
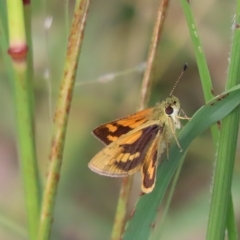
126,155
149,166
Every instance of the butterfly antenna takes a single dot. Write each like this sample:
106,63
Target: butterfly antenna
176,83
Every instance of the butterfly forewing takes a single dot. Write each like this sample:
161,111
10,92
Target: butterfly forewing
110,132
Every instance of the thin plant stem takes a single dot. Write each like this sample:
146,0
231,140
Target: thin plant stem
61,117
121,211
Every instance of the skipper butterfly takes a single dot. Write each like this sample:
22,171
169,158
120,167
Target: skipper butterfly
136,142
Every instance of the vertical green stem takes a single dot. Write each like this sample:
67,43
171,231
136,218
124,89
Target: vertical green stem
231,223
61,117
221,195
223,177
18,50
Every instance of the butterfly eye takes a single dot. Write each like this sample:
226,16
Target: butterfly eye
169,110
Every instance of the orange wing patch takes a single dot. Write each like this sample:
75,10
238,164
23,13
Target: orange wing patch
111,128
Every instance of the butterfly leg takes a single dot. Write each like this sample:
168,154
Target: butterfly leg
167,148
184,115
173,132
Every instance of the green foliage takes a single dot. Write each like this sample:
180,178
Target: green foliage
116,40
139,227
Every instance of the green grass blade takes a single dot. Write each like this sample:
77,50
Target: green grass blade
201,60
139,226
221,194
13,227
223,177
231,223
202,64
169,198
200,57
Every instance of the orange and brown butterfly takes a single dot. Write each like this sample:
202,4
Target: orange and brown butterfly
135,143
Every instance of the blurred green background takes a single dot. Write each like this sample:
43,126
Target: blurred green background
117,38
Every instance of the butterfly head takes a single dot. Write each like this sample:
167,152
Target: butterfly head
172,108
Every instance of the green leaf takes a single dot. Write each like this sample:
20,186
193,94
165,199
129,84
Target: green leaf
139,226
